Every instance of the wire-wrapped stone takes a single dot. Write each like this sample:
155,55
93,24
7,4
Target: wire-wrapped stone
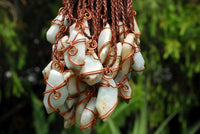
107,99
56,91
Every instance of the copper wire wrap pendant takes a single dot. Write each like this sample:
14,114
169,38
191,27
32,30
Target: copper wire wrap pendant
94,51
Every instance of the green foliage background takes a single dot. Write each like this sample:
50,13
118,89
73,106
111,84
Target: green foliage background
165,97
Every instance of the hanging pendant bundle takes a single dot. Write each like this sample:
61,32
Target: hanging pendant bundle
94,50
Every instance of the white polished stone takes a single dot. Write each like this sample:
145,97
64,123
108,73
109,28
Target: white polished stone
47,70
139,61
104,37
71,102
119,78
126,50
118,58
88,116
80,55
91,64
136,28
107,99
53,30
80,107
55,79
68,121
122,31
73,84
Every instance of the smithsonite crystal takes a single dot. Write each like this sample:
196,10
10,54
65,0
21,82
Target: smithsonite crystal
88,116
107,99
127,92
80,107
76,52
118,59
104,37
47,70
74,84
69,120
139,61
91,64
126,50
53,30
55,79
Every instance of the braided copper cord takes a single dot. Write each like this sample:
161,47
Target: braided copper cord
123,16
114,39
117,17
70,14
99,4
69,9
79,9
84,5
113,21
105,18
130,15
125,4
94,27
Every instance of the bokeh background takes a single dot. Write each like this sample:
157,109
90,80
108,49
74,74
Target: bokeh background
166,97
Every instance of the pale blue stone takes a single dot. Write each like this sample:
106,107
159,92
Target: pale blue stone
53,30
91,64
104,37
106,99
55,79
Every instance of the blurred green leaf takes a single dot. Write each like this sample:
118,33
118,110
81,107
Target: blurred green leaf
165,123
194,128
40,123
143,120
136,127
112,126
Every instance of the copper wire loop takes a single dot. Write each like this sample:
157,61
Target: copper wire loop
57,65
108,73
97,13
122,85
